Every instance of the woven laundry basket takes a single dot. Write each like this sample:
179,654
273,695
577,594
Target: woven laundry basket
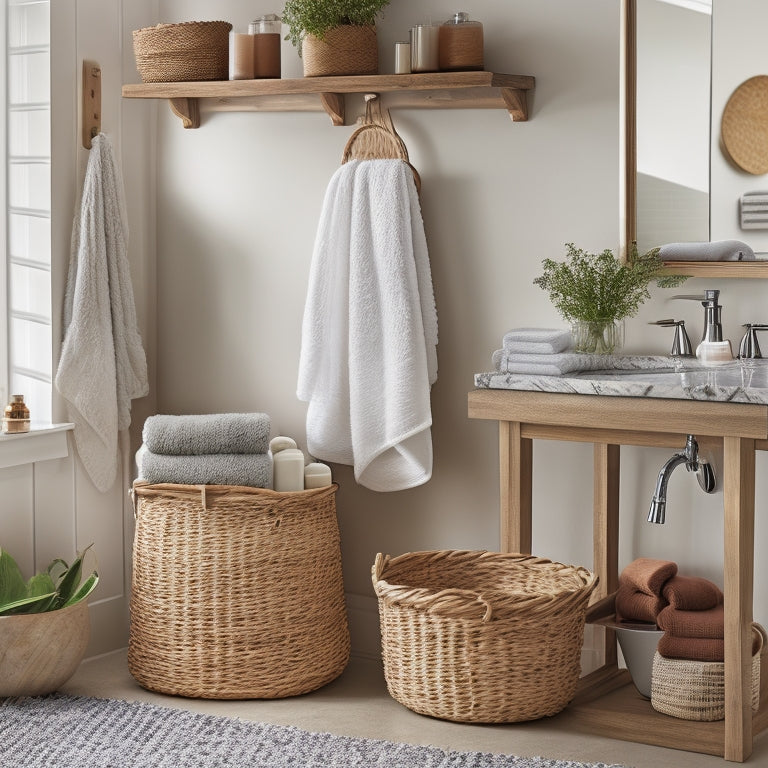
695,690
237,592
191,50
484,637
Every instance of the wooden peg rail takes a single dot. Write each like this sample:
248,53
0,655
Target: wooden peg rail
432,90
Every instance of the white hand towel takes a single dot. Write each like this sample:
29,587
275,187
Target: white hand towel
537,341
573,362
102,365
369,336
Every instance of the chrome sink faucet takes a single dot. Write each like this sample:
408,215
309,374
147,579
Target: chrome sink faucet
749,349
681,344
713,328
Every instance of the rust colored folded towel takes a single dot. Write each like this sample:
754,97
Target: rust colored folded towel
648,575
691,648
698,648
692,593
692,624
632,605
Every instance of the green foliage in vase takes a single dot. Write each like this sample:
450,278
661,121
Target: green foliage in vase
316,17
596,287
59,586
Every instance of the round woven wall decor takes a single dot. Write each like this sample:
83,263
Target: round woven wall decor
744,125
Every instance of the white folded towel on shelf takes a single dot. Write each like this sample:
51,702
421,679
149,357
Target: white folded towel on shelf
369,335
537,341
556,364
102,366
717,250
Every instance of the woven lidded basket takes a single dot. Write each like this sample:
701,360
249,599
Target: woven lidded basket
695,690
237,592
349,49
486,637
191,50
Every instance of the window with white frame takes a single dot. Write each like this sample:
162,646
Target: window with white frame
26,198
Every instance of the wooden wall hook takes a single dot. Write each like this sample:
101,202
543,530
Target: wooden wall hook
91,114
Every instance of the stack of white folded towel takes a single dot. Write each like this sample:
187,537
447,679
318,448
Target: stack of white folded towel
207,449
543,352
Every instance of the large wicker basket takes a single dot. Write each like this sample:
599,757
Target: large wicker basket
349,49
237,592
481,636
695,690
191,50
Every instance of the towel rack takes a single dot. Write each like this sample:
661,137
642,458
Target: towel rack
91,102
376,138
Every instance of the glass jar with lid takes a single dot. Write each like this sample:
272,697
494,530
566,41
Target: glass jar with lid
461,43
266,31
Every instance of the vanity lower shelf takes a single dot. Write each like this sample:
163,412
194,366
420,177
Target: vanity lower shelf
427,90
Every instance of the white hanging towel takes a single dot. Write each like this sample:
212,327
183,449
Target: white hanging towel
103,365
369,337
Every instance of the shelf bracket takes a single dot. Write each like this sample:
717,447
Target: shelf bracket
333,104
188,110
516,103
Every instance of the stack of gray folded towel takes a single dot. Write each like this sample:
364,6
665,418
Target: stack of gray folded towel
539,351
207,449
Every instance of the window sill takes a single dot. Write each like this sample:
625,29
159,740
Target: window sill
42,442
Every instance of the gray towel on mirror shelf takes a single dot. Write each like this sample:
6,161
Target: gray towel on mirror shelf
718,250
202,434
250,469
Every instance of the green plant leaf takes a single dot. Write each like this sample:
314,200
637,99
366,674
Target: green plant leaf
70,580
27,603
85,589
12,584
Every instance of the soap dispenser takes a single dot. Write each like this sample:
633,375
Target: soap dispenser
712,349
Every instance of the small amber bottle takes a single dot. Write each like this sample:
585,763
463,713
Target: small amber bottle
16,416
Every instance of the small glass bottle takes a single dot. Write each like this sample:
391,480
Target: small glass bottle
424,42
461,43
266,45
16,416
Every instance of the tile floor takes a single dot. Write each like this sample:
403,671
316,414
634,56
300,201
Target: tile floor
357,704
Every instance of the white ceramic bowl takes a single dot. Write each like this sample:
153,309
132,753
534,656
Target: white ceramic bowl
638,647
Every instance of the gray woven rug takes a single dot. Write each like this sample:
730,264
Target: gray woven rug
76,732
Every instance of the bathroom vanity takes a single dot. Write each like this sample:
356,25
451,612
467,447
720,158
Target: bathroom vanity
725,408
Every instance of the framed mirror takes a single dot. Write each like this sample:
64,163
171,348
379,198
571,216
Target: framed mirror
668,117
680,70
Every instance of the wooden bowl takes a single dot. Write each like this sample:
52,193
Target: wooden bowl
39,652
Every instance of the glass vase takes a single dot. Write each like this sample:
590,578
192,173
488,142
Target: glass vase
598,337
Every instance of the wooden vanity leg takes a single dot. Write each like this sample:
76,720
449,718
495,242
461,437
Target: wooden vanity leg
607,463
739,541
516,491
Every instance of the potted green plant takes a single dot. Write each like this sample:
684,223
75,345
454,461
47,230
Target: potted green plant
595,292
44,625
335,37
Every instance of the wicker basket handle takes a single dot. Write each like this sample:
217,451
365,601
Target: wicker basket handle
759,630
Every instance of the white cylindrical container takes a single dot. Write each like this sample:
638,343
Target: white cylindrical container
402,58
280,443
288,470
317,475
424,48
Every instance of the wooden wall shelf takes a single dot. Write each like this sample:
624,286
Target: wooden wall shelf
431,90
718,268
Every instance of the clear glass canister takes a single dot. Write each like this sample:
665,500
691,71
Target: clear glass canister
266,45
461,43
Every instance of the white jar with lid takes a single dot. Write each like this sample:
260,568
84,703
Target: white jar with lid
288,470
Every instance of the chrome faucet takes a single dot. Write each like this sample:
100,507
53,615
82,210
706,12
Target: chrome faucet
690,457
681,344
713,329
749,349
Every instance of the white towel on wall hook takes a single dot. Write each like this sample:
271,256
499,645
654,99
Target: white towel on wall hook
369,336
102,365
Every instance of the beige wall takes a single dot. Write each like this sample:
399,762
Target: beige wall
237,205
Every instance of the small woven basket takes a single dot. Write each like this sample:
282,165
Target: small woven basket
237,592
482,637
349,49
695,690
191,50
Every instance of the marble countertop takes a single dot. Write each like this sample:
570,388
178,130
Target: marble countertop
648,376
